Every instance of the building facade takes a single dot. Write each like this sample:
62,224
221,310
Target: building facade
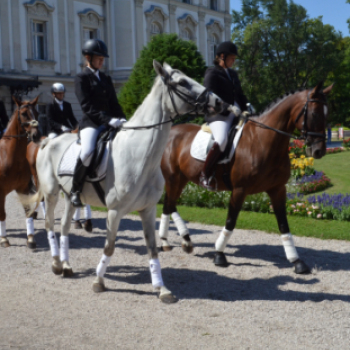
41,40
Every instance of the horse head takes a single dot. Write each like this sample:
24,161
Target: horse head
27,117
185,95
311,120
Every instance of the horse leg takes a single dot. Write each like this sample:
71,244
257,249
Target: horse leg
50,204
278,198
236,201
4,242
113,220
148,217
64,239
88,223
173,192
31,244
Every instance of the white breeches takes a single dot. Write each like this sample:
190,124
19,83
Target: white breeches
88,137
52,135
220,130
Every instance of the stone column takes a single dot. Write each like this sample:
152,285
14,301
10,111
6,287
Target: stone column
202,37
228,22
139,26
172,18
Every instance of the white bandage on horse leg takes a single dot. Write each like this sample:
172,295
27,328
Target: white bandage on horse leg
43,209
289,248
30,226
76,215
87,212
64,249
51,236
102,266
156,273
164,226
180,224
222,240
3,228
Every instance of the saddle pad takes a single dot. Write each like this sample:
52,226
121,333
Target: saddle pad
199,147
67,164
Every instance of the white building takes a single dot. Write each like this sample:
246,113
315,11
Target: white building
41,40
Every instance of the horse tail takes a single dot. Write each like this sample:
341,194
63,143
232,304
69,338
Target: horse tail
28,200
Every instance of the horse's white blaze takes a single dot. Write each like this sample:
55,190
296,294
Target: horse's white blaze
102,266
156,273
51,236
30,226
3,228
223,239
164,226
180,224
289,248
64,242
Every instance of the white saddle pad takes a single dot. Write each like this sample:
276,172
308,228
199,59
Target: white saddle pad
69,160
199,147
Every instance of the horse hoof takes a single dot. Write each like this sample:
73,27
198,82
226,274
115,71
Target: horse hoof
68,273
88,225
31,245
187,248
220,259
5,243
98,287
301,268
166,296
77,225
166,248
57,270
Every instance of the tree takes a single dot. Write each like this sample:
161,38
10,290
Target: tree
180,54
281,49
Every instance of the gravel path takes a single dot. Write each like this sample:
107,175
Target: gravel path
256,303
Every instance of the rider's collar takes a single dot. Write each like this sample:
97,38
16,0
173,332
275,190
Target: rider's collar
58,101
95,71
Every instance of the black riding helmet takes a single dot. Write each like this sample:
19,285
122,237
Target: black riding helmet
95,47
227,48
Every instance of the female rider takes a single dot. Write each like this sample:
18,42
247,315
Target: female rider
98,100
224,82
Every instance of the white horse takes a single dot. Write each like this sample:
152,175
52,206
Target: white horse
134,180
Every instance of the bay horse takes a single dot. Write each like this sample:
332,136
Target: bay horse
133,180
14,168
261,164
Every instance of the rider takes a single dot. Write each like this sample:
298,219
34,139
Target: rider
60,115
4,119
223,81
98,100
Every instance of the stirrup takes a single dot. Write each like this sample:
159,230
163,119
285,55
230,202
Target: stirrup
205,183
75,199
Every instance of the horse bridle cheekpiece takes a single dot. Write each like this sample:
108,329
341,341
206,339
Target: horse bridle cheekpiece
304,131
33,123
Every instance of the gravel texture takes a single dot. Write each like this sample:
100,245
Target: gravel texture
256,303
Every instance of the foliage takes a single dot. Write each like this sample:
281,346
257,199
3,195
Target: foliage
178,53
315,183
281,49
298,148
335,150
346,143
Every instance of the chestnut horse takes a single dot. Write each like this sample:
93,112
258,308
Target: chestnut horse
261,164
14,168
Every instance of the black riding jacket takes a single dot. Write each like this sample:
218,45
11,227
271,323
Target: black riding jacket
4,119
229,90
56,118
97,98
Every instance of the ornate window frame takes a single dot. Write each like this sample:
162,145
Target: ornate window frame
155,16
90,21
187,23
214,29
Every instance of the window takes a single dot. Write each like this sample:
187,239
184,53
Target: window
213,46
186,34
155,28
89,33
39,40
186,1
214,5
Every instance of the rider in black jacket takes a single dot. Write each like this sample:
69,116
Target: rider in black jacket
224,82
59,113
98,100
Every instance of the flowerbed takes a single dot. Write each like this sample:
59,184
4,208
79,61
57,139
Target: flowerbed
335,150
346,143
313,183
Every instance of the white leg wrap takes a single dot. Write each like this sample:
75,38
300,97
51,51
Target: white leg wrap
164,226
64,251
87,212
180,224
2,228
51,236
102,266
76,215
30,226
222,240
156,273
289,248
43,209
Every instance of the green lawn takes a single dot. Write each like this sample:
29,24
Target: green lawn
337,168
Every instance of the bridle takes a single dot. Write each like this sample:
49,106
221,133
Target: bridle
200,103
33,123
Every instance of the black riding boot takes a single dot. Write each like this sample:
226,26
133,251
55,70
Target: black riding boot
78,183
208,169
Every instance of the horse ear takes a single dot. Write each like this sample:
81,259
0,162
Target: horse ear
328,89
35,101
317,88
16,100
167,67
160,70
